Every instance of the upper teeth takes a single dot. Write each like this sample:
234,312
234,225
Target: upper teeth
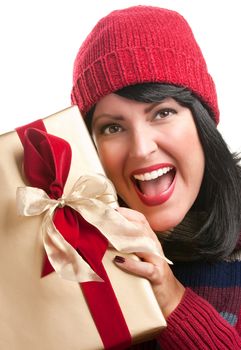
153,174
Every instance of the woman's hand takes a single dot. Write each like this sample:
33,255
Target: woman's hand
168,290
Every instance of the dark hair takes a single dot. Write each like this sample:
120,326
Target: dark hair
212,227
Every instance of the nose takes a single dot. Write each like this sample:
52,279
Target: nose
142,143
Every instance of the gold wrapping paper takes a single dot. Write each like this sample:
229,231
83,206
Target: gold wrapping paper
51,313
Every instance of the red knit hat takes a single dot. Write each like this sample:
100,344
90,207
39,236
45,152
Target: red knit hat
137,45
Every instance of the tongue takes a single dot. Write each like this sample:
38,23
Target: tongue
157,186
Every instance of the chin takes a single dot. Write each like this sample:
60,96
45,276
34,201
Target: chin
163,222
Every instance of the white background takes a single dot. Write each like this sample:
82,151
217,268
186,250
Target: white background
39,41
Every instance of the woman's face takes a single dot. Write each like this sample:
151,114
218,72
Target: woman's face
152,154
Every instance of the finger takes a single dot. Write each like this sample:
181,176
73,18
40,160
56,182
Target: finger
154,258
140,268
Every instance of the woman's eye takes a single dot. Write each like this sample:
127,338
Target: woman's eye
111,129
163,113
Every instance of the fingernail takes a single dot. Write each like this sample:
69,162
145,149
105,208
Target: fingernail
119,259
167,260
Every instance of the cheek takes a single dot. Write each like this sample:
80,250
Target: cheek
195,154
193,163
111,159
187,144
187,150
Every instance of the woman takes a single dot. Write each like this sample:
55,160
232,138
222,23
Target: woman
142,84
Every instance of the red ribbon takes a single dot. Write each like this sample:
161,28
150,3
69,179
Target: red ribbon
47,161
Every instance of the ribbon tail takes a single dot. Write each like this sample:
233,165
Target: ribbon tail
67,263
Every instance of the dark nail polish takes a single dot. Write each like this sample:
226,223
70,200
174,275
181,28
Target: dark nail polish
119,259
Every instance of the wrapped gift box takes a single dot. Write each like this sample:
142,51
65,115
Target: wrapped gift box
50,312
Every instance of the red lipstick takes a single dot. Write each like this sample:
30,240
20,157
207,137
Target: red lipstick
160,198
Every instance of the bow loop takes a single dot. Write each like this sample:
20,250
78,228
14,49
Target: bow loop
47,160
85,188
33,201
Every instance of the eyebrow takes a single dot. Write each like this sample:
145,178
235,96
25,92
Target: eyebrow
121,118
152,106
117,118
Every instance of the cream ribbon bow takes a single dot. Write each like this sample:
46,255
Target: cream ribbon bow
94,197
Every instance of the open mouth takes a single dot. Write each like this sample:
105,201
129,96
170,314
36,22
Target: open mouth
156,186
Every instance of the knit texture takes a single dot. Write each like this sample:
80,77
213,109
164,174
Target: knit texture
137,45
209,316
